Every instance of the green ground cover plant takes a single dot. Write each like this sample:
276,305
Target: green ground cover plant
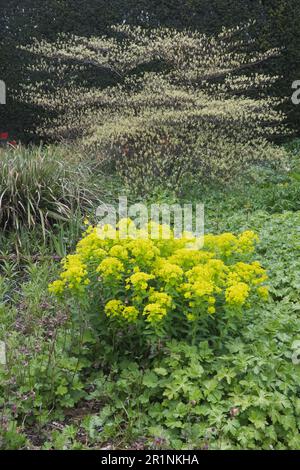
66,387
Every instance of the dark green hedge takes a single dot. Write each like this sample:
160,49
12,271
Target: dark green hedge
278,23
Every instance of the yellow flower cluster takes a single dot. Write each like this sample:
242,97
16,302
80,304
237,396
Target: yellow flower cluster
136,279
241,278
166,271
111,268
139,281
143,250
74,276
227,244
115,308
160,303
237,294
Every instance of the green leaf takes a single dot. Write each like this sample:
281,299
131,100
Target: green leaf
61,390
150,380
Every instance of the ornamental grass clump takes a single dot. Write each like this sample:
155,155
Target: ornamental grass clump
40,187
160,287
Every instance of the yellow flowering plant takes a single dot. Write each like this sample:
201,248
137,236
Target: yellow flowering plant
161,286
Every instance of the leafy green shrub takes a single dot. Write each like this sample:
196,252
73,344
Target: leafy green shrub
37,186
194,113
141,287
